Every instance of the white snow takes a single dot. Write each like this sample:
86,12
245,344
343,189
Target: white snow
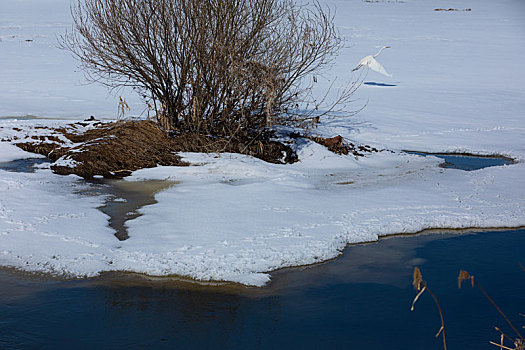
9,152
45,226
457,86
284,216
38,78
459,75
66,161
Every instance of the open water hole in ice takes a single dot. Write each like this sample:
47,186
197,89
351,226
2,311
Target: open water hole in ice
467,162
23,165
359,301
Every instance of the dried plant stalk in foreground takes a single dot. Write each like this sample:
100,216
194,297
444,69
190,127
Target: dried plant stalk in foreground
519,341
421,286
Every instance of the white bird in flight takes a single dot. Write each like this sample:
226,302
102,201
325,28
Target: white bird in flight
371,63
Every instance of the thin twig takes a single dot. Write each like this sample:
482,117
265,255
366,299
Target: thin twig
441,316
500,346
499,310
504,334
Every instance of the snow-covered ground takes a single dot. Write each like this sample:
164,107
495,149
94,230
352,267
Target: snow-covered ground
456,86
38,78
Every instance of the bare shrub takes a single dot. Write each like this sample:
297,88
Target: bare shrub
210,66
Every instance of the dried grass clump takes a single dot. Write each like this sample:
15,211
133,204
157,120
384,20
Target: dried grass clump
117,149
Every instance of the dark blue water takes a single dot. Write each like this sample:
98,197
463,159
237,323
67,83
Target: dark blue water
359,301
468,162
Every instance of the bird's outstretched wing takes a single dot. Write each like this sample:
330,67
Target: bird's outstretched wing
374,65
363,62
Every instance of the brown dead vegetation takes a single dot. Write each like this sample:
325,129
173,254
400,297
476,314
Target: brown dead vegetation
110,150
259,146
338,145
116,149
